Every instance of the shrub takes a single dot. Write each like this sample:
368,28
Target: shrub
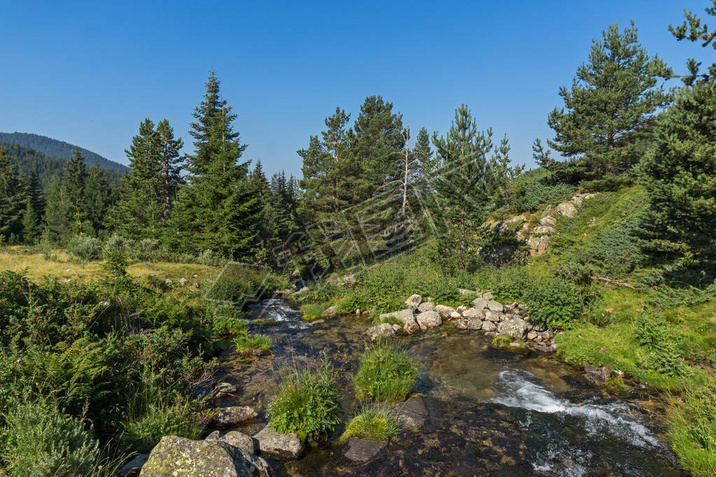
553,303
662,345
143,432
307,403
226,320
692,429
372,423
41,441
385,373
85,248
115,262
117,243
311,311
146,249
247,343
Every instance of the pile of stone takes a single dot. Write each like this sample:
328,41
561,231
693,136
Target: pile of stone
485,315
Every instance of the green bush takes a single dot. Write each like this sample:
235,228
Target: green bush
143,432
41,441
238,283
115,262
117,243
692,429
553,303
663,349
385,373
538,189
372,423
85,248
307,403
508,284
247,343
146,249
311,311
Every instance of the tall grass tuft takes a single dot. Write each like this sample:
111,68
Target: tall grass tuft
385,373
373,423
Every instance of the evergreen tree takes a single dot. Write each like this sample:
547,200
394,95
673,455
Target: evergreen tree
541,155
58,213
97,198
263,210
679,173
611,100
13,200
34,212
224,208
171,164
462,185
693,30
74,177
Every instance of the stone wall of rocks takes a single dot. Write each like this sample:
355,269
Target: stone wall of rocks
486,315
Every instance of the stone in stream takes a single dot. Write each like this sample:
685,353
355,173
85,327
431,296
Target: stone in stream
362,450
279,446
488,326
402,315
515,328
412,327
331,310
596,375
175,456
240,441
133,467
231,416
222,390
426,306
445,311
384,330
413,301
429,319
412,413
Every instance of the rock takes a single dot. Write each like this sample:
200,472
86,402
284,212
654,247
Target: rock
412,413
488,326
397,328
402,315
231,416
545,348
495,306
302,290
168,282
69,270
264,352
444,310
473,313
548,221
488,296
412,327
426,306
465,291
384,330
543,230
279,446
429,319
133,467
195,285
222,390
492,316
515,328
472,324
182,281
480,303
532,335
414,301
65,280
567,209
362,450
175,456
455,315
597,376
461,309
331,310
195,276
214,436
240,441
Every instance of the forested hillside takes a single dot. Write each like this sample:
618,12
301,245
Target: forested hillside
59,149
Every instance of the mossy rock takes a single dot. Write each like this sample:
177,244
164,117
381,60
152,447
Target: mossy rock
506,343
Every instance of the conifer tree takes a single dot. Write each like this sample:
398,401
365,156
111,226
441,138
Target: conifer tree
97,198
13,199
171,164
693,30
611,99
35,210
58,213
74,177
225,210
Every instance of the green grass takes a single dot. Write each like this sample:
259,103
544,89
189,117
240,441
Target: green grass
692,429
371,423
306,403
247,343
385,373
312,311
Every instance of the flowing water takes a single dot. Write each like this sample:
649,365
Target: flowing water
491,412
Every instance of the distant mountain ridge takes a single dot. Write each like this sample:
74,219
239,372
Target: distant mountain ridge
59,149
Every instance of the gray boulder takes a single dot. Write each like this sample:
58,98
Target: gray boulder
445,311
330,311
488,326
472,324
548,221
231,416
414,301
543,230
412,327
429,319
492,316
362,450
240,441
412,413
402,315
480,303
488,296
515,328
426,306
495,306
567,209
175,456
279,446
473,313
384,330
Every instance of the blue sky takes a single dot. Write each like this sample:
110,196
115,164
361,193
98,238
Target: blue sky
89,72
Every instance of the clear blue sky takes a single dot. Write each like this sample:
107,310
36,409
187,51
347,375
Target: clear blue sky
89,72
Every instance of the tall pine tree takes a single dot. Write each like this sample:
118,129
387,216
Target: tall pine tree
13,199
73,181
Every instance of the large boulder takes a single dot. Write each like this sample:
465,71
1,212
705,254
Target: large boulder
175,456
426,306
515,328
473,313
413,302
402,315
363,450
279,446
412,327
382,331
567,209
493,305
548,221
240,441
445,311
231,416
429,319
492,316
488,326
480,303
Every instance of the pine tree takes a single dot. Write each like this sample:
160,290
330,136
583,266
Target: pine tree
693,30
97,198
612,98
224,208
263,210
171,164
58,213
13,199
679,173
34,212
74,177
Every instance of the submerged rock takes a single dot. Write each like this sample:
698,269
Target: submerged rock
231,416
133,467
178,456
279,446
402,315
596,375
384,330
362,450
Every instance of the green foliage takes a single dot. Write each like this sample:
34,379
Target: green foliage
609,104
537,189
663,347
307,403
693,30
238,283
553,303
247,343
142,431
373,423
41,441
85,248
115,262
226,320
385,373
692,429
312,311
